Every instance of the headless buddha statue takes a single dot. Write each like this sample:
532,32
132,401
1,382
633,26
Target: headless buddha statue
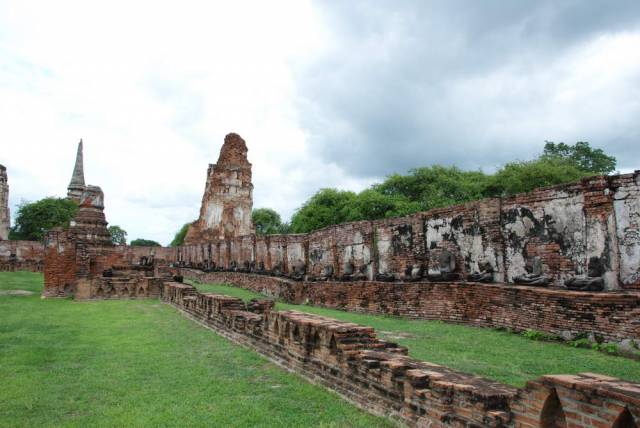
534,274
594,280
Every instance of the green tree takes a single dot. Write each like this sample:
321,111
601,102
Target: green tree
33,219
371,205
518,177
118,235
144,243
267,221
178,239
326,207
593,161
435,186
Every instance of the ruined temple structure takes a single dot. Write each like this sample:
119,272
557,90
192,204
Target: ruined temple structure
228,196
4,204
76,185
81,261
498,262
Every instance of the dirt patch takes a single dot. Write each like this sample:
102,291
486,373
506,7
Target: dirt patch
395,335
16,293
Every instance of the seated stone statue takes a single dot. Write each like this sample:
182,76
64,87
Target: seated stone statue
347,271
326,274
385,277
298,270
277,269
593,281
446,268
484,275
534,274
361,273
245,267
413,272
233,266
260,267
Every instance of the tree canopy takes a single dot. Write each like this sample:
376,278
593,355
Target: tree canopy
439,186
268,222
593,161
33,219
144,243
118,235
178,239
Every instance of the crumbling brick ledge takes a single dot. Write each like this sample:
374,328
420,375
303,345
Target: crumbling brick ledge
379,377
612,316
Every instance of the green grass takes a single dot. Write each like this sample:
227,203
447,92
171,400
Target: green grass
498,355
141,363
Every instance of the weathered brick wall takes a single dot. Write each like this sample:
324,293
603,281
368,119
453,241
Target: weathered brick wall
296,251
21,255
626,203
277,253
132,255
380,377
549,223
399,243
564,225
5,220
472,232
354,247
610,316
322,251
262,252
60,269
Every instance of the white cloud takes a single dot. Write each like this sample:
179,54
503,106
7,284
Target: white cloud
153,87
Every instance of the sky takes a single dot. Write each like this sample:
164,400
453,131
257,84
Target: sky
325,93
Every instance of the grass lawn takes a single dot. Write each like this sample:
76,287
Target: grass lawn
141,363
498,355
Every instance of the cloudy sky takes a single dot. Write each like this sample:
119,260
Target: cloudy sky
326,94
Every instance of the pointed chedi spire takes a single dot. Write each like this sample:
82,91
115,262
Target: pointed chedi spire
76,186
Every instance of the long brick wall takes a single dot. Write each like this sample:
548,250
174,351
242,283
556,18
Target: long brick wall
610,316
565,226
380,377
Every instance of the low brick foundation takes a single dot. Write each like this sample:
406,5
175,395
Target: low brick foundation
379,377
610,316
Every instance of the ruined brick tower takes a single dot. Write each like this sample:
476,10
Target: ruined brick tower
4,204
76,186
228,196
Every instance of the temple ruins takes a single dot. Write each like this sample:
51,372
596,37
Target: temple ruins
562,259
5,221
227,202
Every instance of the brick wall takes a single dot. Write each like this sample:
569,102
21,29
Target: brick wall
564,225
379,376
611,316
21,255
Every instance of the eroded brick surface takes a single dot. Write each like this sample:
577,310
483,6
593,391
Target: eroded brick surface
380,377
610,316
227,201
4,204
